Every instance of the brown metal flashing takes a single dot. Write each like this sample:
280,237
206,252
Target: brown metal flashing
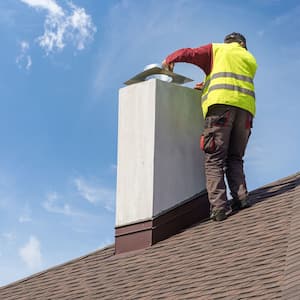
134,227
146,233
133,237
181,217
134,241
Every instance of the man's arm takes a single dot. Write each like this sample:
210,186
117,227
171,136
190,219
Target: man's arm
201,57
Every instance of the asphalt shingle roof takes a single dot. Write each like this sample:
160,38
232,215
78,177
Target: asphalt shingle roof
254,254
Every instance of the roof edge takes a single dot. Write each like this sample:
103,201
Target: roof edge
55,267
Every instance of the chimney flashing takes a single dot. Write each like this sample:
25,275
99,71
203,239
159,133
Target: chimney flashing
146,233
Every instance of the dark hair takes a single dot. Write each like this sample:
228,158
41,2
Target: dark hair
235,37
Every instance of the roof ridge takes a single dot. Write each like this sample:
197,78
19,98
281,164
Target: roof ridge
278,182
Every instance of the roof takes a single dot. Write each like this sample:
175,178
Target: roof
254,254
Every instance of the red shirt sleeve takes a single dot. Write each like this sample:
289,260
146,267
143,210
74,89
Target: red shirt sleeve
201,57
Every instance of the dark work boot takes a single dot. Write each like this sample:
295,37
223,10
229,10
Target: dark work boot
221,214
218,215
245,203
235,205
240,204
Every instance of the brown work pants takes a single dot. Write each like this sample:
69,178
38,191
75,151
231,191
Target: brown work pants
225,137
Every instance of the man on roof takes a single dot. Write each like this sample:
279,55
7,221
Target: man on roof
228,105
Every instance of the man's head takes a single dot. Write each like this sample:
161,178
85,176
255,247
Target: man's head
236,37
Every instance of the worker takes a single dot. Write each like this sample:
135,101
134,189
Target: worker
228,105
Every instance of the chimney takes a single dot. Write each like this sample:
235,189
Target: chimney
160,173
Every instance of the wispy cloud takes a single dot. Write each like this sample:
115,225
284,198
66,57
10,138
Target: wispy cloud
54,204
9,236
283,22
63,25
25,215
96,194
288,18
31,253
129,40
49,5
24,60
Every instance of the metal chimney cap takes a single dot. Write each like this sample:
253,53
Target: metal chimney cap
154,71
162,77
152,66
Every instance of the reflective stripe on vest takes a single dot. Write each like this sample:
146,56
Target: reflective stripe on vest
228,86
229,74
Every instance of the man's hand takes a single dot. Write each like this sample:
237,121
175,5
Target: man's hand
199,86
168,67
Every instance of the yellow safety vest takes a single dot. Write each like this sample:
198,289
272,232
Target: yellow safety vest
231,79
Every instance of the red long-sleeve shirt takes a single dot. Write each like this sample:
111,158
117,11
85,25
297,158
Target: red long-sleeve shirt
201,57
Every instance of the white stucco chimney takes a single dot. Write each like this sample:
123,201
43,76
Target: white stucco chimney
160,174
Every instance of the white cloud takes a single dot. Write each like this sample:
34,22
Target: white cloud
62,26
9,236
24,60
49,5
82,23
96,194
54,204
31,253
24,45
26,215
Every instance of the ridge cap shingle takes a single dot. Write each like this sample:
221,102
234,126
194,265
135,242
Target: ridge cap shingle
278,182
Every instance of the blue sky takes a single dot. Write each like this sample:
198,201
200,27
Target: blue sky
62,64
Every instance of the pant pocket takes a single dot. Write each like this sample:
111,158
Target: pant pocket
207,142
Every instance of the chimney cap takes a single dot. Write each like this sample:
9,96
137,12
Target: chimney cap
156,69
